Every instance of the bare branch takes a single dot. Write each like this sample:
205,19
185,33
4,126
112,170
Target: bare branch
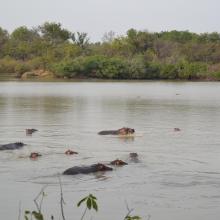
41,193
19,211
62,202
129,210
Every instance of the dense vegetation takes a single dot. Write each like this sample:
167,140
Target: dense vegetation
138,55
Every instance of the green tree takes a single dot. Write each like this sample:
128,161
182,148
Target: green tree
21,43
23,34
81,39
140,41
54,33
4,37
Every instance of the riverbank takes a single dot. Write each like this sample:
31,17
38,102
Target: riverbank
47,76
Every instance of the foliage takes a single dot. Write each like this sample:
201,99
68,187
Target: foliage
54,33
135,217
92,66
102,67
69,68
37,215
4,37
137,55
90,202
137,68
7,65
81,39
191,70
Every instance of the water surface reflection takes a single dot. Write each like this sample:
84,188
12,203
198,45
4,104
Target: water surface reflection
177,176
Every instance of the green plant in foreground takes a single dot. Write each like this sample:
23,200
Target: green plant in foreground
133,217
91,203
37,215
28,215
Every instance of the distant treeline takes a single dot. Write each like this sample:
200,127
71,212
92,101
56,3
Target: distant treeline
137,55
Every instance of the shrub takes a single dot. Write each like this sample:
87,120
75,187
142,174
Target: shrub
137,68
7,65
69,68
92,66
153,70
188,70
21,68
168,71
216,75
103,67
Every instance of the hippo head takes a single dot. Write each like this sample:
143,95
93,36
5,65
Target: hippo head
133,155
118,162
29,131
102,167
126,131
34,155
70,152
130,130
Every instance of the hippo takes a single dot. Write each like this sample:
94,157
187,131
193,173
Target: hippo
30,131
70,152
133,157
34,155
121,131
118,162
87,169
177,129
11,146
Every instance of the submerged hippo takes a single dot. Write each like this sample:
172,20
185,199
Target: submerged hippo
121,131
34,155
11,146
87,169
70,152
118,162
134,157
30,131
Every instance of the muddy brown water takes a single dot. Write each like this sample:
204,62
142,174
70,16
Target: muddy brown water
177,177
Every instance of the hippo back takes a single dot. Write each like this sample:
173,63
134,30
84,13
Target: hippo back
110,132
11,146
87,169
77,170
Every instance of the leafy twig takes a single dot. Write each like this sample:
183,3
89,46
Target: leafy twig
90,201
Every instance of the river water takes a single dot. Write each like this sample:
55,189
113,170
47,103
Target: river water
178,173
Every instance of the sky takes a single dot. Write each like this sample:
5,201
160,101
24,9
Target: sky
99,16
